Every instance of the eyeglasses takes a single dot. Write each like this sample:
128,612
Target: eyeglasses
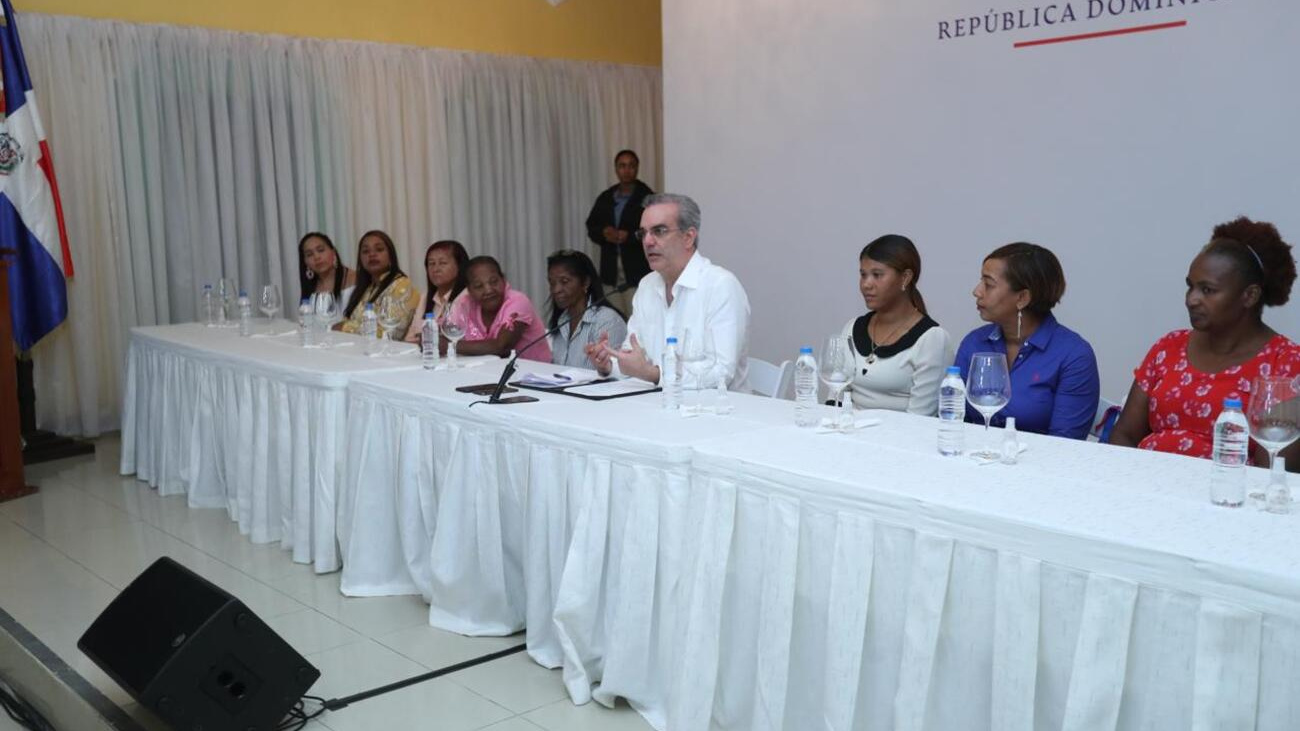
658,232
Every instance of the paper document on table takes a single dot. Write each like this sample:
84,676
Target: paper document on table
395,350
609,389
274,334
570,377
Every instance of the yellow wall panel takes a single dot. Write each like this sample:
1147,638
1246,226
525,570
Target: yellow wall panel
619,31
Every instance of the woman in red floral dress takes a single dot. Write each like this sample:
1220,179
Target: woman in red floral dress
1179,389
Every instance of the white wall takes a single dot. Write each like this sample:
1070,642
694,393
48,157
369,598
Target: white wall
807,129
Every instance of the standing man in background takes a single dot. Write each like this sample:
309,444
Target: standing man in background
613,219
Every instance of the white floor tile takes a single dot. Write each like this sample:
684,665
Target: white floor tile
60,510
564,716
372,616
518,723
309,631
437,703
359,666
45,589
515,682
437,648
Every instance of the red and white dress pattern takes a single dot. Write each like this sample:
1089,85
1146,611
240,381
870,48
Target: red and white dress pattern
1184,402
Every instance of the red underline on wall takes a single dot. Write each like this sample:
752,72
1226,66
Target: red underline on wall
1101,34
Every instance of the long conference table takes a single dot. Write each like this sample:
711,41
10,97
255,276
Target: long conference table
738,572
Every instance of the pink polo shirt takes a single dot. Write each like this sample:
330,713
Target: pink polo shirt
515,307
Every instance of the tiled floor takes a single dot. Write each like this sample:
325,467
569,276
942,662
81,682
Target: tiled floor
66,552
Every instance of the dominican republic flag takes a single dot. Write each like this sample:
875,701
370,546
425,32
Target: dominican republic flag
31,216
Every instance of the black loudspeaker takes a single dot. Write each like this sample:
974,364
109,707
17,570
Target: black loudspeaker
195,655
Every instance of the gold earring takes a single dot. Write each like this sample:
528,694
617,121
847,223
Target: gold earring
1019,321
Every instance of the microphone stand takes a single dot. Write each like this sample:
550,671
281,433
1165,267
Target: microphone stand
512,365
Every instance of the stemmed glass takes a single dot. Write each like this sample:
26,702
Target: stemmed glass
389,317
697,356
836,371
327,312
1274,416
269,304
453,329
988,389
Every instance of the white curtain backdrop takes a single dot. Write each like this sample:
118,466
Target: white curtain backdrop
187,154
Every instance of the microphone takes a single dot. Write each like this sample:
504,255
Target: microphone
509,370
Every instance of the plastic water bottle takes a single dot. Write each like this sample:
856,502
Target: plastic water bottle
370,329
952,412
429,342
1231,442
670,376
245,315
805,388
305,317
209,306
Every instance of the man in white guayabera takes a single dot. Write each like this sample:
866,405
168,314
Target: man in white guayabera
684,296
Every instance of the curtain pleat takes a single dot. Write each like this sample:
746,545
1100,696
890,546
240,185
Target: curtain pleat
185,155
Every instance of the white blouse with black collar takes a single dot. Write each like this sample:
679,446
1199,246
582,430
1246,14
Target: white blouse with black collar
901,376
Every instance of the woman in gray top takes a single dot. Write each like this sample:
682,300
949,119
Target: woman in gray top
575,286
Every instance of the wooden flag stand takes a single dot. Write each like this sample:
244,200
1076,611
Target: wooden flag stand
12,483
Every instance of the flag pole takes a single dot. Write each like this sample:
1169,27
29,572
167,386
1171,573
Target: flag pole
12,483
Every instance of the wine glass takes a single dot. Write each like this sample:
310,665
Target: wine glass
836,371
269,304
1274,416
389,316
327,312
226,294
697,356
453,328
988,389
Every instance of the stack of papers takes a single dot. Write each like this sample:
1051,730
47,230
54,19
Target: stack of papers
571,377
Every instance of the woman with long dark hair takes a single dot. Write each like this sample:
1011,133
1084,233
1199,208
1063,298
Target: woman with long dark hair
446,266
321,270
379,279
578,309
901,353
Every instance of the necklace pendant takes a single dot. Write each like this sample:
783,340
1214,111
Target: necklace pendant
871,358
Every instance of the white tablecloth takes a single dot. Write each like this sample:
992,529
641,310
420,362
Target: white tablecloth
249,424
503,516
868,582
740,573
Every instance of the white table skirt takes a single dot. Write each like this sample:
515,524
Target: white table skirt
738,573
506,516
867,582
253,425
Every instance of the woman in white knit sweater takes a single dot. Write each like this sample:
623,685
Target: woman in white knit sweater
900,352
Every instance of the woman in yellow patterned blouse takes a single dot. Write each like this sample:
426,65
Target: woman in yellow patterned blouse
379,279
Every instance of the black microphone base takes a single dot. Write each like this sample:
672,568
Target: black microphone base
484,389
520,399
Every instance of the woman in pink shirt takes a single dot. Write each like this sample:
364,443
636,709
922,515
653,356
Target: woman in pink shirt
498,318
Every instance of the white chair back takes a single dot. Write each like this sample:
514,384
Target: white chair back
770,380
1104,419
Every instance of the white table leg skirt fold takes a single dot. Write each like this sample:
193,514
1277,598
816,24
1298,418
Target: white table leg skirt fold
863,624
265,450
